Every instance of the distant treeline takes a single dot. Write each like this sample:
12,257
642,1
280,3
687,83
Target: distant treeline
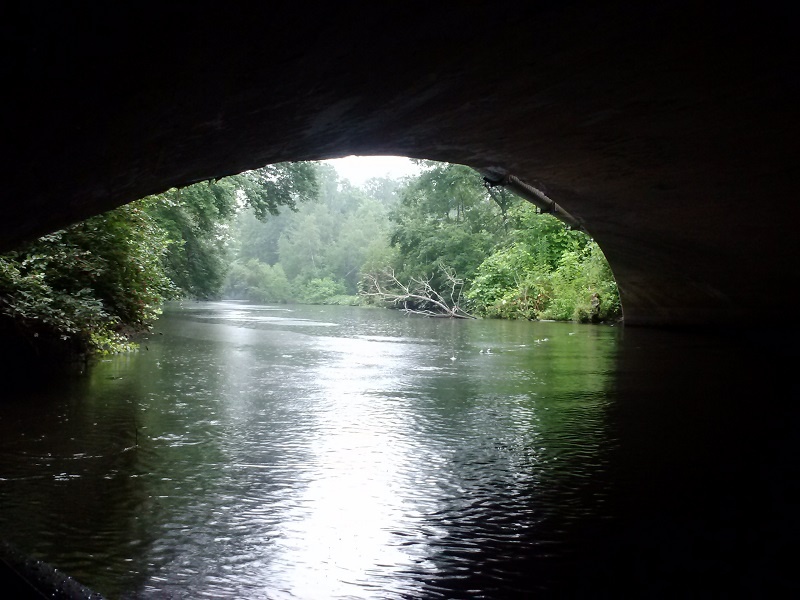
442,224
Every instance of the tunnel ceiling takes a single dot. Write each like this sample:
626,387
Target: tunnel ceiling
668,129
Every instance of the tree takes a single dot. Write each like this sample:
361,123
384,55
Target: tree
269,188
83,288
255,281
514,262
445,217
194,219
198,218
418,296
546,272
323,245
404,242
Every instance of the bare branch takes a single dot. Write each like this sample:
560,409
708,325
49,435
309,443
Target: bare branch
418,296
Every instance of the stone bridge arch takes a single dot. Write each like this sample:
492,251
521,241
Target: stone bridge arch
667,130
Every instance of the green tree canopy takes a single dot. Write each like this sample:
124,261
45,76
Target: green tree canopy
85,287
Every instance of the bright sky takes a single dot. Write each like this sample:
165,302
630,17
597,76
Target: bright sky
360,168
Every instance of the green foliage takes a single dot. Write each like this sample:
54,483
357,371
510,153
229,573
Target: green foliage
445,217
302,246
194,218
519,282
255,281
515,263
83,289
583,288
326,241
86,287
251,238
319,291
88,284
198,217
202,216
267,189
510,284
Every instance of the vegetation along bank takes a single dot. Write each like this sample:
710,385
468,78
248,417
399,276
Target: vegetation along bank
440,243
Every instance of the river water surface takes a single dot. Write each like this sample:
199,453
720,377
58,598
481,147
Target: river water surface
335,452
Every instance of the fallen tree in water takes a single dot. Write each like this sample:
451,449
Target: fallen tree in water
418,296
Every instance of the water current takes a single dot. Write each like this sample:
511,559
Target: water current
334,452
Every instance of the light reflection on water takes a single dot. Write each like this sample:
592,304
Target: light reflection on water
320,453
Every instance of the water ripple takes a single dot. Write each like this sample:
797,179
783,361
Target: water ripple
362,463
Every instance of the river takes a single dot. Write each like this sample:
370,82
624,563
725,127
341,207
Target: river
336,452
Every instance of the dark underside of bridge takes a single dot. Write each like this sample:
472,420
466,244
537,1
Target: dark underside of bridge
667,128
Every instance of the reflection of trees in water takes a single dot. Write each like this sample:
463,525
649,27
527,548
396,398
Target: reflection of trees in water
481,465
517,488
76,442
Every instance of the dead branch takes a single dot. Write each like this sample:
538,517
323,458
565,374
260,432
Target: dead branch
418,296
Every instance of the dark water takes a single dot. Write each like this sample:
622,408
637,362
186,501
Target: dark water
332,452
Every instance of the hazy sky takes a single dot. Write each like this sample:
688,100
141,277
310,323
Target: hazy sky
360,168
